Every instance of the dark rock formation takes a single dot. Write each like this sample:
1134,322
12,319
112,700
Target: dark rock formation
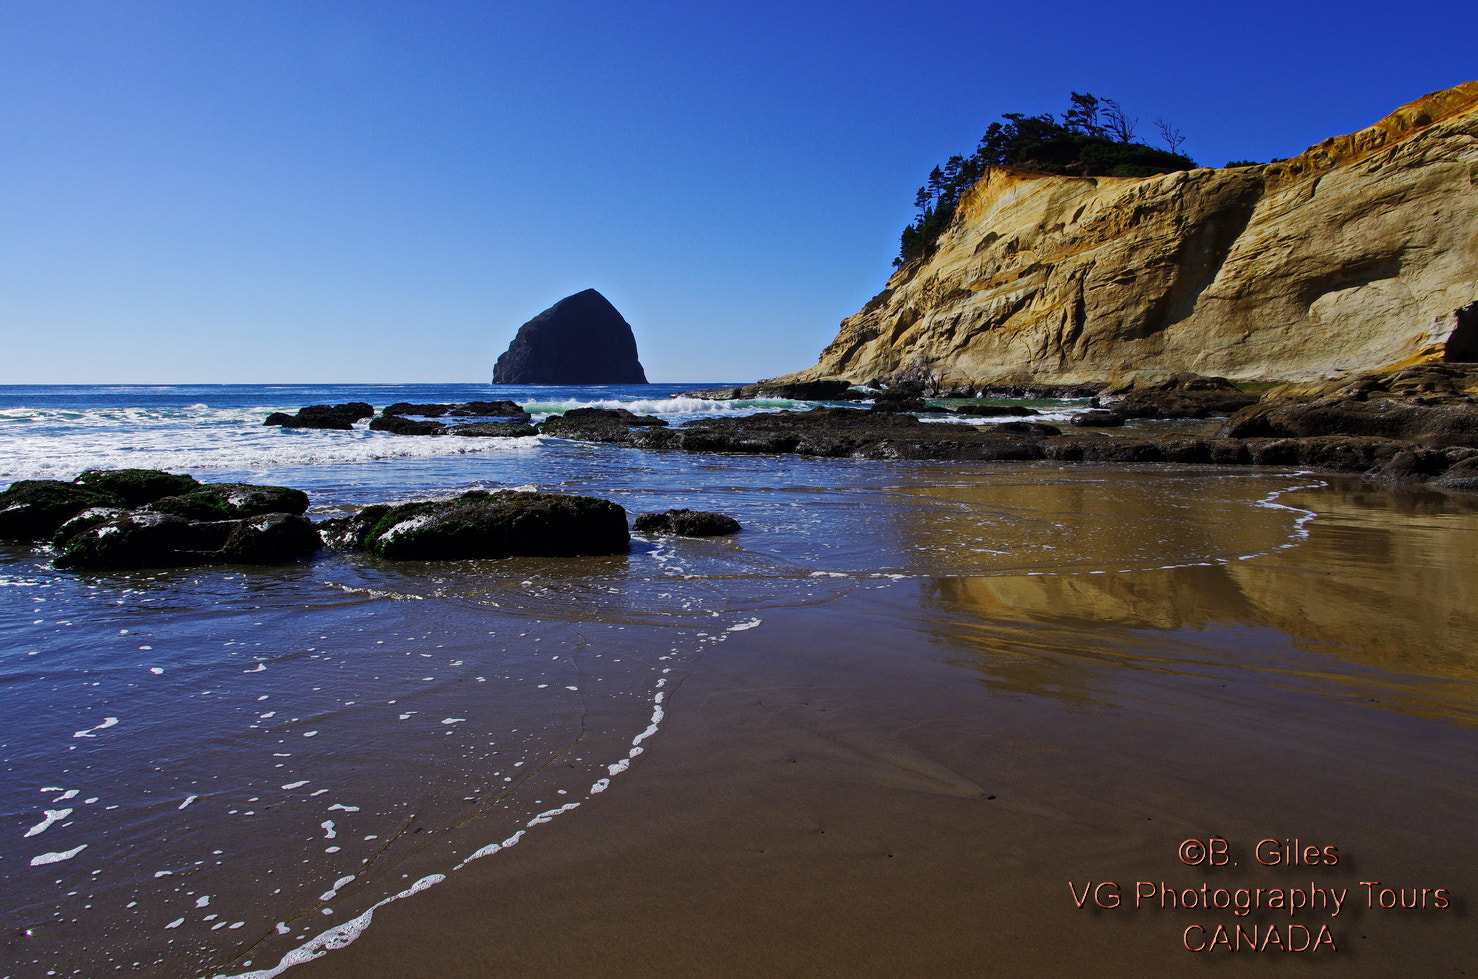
507,430
480,525
597,424
33,509
135,487
232,501
1097,418
801,391
338,417
398,425
996,411
507,410
687,523
142,539
581,339
1178,395
1449,424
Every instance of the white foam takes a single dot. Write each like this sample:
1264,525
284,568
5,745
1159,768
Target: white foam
57,857
545,817
203,902
88,733
52,816
337,937
747,624
328,829
294,785
188,800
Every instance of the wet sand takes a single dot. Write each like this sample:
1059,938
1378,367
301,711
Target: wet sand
917,779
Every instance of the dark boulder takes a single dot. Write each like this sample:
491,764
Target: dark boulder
90,517
597,424
581,339
506,410
480,525
1452,424
34,509
506,430
1097,418
1178,395
1037,429
420,410
140,540
397,425
687,523
339,417
996,411
135,487
273,538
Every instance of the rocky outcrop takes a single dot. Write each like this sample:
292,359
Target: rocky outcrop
1357,255
482,525
144,539
688,523
336,417
581,339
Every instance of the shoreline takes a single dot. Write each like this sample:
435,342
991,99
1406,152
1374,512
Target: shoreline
891,783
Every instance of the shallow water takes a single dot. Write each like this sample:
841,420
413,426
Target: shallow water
207,770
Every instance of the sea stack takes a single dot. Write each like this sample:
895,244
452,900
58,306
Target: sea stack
581,339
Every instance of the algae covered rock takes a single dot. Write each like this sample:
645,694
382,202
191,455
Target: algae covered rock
142,539
33,509
229,501
479,524
135,487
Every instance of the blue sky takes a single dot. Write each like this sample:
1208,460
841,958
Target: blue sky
377,191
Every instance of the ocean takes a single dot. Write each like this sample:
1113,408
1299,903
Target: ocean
229,770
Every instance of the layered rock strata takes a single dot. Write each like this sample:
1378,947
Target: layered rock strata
1358,255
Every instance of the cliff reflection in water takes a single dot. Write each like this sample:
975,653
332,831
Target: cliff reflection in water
1379,601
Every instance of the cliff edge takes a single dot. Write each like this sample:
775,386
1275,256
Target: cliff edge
1358,255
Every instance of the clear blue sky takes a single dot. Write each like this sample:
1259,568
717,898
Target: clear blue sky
262,190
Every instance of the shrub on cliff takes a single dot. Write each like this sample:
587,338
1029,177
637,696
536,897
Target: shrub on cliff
1094,138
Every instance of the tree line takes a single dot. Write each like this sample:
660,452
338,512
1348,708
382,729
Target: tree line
1095,137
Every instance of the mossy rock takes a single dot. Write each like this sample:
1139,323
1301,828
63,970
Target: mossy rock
134,540
135,487
232,501
274,538
90,517
480,525
34,509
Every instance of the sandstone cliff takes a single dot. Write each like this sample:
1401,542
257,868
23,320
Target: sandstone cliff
1353,256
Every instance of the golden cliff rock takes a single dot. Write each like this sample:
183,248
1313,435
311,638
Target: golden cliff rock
1355,256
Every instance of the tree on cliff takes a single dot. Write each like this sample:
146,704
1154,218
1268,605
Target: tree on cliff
1095,137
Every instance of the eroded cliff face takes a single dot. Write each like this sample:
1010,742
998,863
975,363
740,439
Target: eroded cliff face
1351,257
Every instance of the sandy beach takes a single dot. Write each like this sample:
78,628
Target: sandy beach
927,778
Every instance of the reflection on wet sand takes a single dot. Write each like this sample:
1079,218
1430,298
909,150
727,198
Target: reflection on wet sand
1382,582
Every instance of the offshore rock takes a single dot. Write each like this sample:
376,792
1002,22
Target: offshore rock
1357,255
399,425
581,339
339,417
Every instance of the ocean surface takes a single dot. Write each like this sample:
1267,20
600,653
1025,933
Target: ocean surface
225,770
